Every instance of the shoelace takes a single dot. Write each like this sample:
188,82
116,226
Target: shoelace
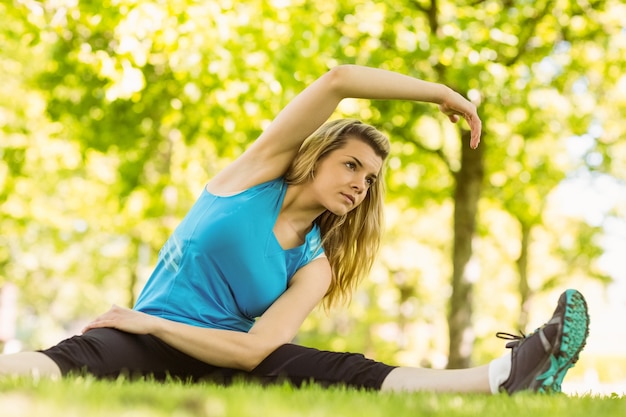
510,336
514,338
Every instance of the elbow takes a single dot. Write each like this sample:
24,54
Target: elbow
253,356
336,79
250,363
248,360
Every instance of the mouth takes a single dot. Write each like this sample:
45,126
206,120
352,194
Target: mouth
349,198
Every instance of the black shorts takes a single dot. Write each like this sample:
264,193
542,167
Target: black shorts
110,353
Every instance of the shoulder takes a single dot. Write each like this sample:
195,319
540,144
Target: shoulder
317,273
276,184
248,170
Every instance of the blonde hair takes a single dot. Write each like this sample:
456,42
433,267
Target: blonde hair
350,241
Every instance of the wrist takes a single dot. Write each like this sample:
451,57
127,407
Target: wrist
444,95
157,326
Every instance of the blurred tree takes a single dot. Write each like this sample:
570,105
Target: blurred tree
131,105
516,60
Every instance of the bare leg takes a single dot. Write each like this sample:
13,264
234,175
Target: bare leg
438,380
33,364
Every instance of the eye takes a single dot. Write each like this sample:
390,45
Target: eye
370,181
351,165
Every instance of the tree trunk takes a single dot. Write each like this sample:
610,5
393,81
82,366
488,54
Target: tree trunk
522,269
467,193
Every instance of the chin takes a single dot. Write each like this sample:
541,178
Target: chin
341,211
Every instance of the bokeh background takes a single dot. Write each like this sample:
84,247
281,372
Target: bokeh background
114,113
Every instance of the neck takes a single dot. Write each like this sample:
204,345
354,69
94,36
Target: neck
299,209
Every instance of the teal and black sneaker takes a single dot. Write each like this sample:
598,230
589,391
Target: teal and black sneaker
541,359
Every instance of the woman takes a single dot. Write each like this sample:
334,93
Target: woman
293,222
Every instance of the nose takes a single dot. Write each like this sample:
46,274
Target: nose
359,184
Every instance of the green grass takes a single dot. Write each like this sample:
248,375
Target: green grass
93,398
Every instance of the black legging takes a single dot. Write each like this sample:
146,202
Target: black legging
109,353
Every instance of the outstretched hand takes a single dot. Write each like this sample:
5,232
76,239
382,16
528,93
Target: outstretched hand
455,106
124,319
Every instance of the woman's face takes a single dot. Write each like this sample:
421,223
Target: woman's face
342,179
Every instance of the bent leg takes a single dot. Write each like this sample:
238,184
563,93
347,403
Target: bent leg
109,353
32,364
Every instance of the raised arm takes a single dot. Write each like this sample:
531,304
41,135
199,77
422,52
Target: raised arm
232,349
270,155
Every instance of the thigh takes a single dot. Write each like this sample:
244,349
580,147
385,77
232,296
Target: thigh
299,364
109,353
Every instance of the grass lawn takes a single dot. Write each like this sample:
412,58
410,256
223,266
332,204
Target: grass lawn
89,397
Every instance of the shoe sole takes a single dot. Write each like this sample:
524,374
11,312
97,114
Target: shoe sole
573,340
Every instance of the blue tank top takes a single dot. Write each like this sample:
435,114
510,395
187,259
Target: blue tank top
223,267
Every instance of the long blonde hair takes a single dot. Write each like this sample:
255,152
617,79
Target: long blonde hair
350,241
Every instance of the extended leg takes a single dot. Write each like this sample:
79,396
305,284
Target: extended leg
32,364
438,380
299,364
537,362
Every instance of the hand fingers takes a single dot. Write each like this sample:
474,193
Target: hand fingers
98,322
476,128
92,325
465,109
474,123
103,320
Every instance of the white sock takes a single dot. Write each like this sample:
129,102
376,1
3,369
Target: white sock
499,371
